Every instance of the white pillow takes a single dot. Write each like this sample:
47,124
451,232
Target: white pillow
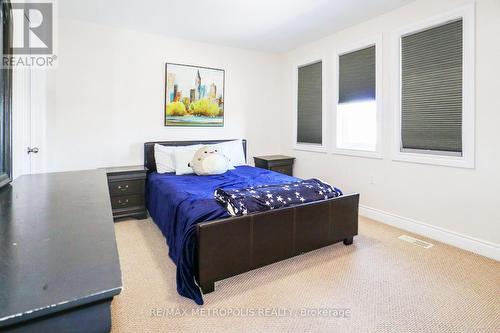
233,150
164,158
183,155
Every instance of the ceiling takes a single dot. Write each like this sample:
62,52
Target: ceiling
265,25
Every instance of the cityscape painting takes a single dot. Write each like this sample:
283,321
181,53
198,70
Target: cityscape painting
194,96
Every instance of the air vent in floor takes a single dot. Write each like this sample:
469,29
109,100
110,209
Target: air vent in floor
415,241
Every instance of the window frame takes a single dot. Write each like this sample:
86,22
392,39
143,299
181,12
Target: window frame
323,148
362,44
467,159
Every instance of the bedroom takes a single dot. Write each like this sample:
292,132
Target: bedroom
121,76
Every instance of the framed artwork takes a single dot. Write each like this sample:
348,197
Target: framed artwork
194,96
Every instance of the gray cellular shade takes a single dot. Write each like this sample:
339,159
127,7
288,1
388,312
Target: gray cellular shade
357,75
309,104
431,91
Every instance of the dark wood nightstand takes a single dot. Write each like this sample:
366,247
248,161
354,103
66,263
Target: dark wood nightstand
126,189
279,163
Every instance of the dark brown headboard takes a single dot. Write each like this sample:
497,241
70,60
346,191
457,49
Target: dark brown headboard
149,151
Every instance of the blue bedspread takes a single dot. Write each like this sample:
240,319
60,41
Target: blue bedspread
178,203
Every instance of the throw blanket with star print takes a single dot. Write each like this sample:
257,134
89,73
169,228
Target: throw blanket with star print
249,200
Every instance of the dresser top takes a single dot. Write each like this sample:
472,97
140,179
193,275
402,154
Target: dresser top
57,244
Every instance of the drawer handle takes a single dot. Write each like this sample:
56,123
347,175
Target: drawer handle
123,188
123,202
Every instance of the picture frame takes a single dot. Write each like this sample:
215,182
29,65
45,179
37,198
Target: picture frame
194,96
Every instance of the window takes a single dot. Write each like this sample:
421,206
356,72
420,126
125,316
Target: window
435,118
5,96
309,103
357,113
431,89
357,125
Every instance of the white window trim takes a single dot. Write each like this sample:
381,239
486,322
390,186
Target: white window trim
377,42
323,148
467,158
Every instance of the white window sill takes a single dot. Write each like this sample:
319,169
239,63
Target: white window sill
358,153
310,147
451,161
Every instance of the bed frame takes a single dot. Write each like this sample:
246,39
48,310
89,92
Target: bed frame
234,245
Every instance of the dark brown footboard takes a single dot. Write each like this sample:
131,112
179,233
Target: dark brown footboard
236,245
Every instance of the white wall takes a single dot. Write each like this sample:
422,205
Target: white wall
424,198
106,97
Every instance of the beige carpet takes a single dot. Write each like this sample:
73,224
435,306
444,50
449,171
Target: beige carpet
386,284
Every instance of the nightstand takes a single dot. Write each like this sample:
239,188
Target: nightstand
279,163
127,191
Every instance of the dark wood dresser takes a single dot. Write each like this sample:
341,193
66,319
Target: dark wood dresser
126,189
279,163
59,266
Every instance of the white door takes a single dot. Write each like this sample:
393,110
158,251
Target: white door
36,150
29,104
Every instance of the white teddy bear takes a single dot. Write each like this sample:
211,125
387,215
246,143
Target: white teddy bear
209,161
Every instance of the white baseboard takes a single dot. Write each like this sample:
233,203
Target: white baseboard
484,248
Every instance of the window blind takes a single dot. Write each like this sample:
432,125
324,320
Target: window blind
309,104
357,75
431,89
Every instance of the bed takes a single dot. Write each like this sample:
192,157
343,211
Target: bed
208,245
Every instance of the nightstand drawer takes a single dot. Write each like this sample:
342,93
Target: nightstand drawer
285,169
127,201
126,187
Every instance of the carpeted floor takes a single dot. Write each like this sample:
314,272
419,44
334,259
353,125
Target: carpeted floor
378,284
